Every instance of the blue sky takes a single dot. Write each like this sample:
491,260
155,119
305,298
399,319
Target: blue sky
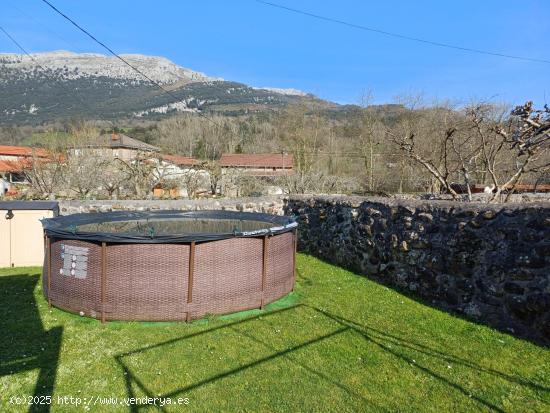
245,41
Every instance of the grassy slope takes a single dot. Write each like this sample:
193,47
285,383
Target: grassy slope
341,343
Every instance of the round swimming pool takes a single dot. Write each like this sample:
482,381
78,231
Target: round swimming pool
167,265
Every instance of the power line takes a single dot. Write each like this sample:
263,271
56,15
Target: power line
19,46
71,92
348,155
109,103
87,33
38,22
91,36
30,56
400,36
105,104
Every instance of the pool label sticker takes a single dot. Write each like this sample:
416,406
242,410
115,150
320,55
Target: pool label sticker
75,261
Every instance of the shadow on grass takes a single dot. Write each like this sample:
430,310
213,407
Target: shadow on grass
131,379
434,302
374,334
397,347
385,342
25,344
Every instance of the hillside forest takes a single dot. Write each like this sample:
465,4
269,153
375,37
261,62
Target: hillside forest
408,147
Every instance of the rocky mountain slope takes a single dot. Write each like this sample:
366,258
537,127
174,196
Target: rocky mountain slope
60,85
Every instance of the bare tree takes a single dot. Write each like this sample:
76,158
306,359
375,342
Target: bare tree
143,172
528,134
483,143
112,178
425,137
301,133
370,141
81,173
44,175
214,175
192,182
196,136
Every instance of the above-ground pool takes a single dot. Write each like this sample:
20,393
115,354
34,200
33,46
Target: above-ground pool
167,265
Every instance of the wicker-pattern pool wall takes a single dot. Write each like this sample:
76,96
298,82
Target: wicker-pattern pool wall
165,282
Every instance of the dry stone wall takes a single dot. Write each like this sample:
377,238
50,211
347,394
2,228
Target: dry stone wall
489,262
270,205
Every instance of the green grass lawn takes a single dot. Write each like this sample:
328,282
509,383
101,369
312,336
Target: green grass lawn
340,343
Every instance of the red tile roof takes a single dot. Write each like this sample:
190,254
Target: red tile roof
10,166
257,160
22,151
181,160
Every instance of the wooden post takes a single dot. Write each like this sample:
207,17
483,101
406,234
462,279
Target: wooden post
294,258
49,269
190,277
103,279
45,266
264,268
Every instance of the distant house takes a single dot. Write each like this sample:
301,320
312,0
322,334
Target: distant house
184,162
116,145
13,160
176,168
259,164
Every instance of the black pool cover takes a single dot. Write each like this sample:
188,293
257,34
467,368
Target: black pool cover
166,226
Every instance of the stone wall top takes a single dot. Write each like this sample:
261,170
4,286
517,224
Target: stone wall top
274,204
271,205
426,204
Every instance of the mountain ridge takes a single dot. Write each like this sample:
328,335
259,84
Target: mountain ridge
62,84
158,68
